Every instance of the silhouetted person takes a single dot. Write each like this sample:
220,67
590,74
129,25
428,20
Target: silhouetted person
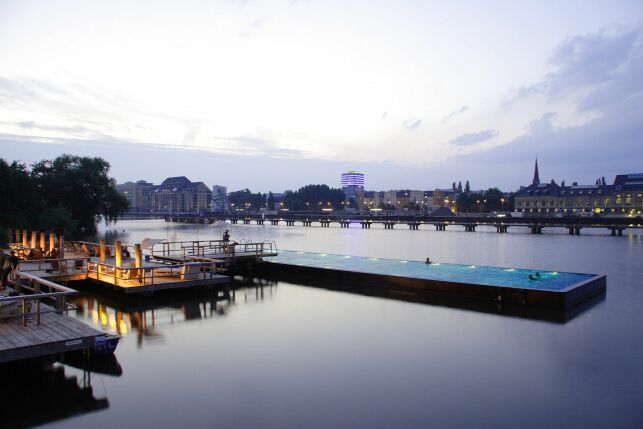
9,265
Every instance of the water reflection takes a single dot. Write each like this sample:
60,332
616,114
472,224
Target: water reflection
40,391
147,317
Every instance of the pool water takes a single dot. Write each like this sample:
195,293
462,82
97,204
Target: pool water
471,274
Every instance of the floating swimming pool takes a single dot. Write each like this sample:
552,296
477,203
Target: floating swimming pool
546,288
473,274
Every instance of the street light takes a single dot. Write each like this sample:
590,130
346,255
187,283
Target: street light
502,204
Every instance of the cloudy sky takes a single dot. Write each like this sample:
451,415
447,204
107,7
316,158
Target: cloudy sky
279,94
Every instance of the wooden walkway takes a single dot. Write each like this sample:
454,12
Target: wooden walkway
56,333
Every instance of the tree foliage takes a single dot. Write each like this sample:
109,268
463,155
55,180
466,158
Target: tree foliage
71,193
314,197
245,199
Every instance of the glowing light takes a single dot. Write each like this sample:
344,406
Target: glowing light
472,266
374,259
403,262
347,257
554,273
322,254
511,269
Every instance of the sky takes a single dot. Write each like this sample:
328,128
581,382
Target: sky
274,95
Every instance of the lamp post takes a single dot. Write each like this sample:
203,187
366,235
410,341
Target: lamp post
479,210
502,204
485,204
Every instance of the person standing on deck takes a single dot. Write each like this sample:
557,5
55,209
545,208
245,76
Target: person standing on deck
10,264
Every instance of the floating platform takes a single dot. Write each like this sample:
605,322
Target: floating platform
57,333
511,286
150,277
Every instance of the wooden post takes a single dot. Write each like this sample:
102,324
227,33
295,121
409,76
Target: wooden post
24,237
52,241
61,246
34,239
43,241
118,255
102,251
17,232
138,260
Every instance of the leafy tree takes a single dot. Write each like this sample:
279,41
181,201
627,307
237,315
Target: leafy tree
82,186
57,218
467,188
244,199
21,202
314,197
270,201
493,197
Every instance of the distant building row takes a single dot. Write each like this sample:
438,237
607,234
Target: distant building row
624,196
175,194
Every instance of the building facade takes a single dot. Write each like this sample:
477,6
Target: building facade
137,194
352,185
623,197
178,194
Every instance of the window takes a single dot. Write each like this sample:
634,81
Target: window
619,201
628,199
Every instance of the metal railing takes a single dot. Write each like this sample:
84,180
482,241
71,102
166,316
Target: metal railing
65,266
39,289
191,250
151,275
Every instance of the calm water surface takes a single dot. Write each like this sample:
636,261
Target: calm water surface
291,356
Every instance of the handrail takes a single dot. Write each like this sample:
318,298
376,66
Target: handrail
35,284
147,275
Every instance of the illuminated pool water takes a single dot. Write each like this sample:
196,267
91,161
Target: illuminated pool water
471,274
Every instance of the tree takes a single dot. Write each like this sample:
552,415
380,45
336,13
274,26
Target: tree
465,202
493,197
244,199
270,201
21,202
314,197
467,188
82,186
460,187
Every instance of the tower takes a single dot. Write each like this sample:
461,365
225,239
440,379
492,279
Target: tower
536,180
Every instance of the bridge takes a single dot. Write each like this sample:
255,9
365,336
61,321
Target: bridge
615,225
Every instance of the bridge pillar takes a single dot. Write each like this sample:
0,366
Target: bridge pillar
233,221
620,232
274,222
246,221
577,231
259,221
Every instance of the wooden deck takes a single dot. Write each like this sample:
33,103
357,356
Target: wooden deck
164,277
56,333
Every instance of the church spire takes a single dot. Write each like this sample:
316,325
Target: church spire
536,180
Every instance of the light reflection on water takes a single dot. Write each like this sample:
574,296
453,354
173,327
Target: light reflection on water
310,357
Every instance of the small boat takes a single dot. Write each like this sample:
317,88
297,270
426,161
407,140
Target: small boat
105,344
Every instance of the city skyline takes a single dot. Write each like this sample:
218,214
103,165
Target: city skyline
412,95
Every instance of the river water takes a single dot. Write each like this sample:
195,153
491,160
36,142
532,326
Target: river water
293,356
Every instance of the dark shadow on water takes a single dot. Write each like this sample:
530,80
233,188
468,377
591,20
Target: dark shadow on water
37,391
147,316
462,303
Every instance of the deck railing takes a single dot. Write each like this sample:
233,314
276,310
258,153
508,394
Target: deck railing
191,250
150,275
38,290
56,266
